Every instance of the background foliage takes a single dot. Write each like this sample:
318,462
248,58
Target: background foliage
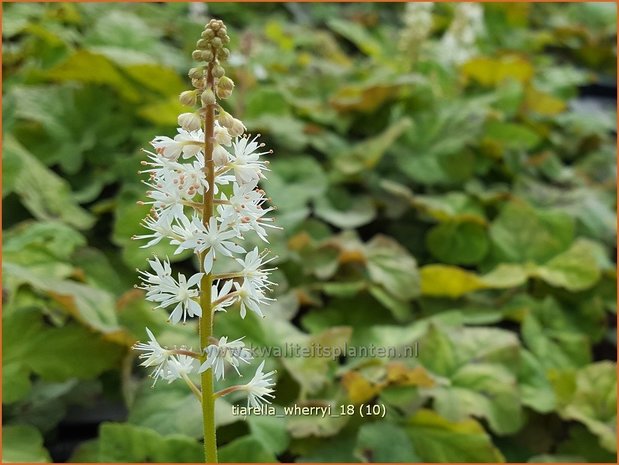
465,204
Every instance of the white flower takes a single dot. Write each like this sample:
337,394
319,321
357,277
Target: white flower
251,298
246,161
172,183
458,43
252,273
217,295
223,352
187,143
179,366
163,272
418,24
244,212
215,237
161,227
259,388
166,200
165,290
154,355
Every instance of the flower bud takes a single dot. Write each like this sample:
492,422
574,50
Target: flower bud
188,98
225,119
207,55
202,44
220,155
226,83
222,32
208,33
215,24
196,73
223,54
218,71
237,128
196,55
216,42
208,97
223,93
198,83
189,121
222,136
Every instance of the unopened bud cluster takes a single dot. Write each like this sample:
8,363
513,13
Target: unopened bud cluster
209,79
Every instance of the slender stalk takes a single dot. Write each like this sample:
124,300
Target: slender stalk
228,390
206,321
192,386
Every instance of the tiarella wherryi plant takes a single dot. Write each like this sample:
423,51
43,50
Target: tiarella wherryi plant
191,212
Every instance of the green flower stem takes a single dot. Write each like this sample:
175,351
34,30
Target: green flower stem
192,386
206,321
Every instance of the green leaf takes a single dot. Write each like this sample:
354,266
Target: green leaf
478,364
382,441
400,310
168,81
481,390
344,210
23,444
590,398
436,147
554,340
522,233
122,442
182,413
450,207
88,67
44,248
507,275
492,71
312,373
436,439
308,426
458,243
56,354
448,281
163,112
270,432
535,388
576,269
294,181
358,35
246,449
266,100
366,155
390,265
511,136
582,443
128,39
93,307
42,192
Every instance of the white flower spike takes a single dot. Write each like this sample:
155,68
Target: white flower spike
188,211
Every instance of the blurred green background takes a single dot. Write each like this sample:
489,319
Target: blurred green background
445,175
